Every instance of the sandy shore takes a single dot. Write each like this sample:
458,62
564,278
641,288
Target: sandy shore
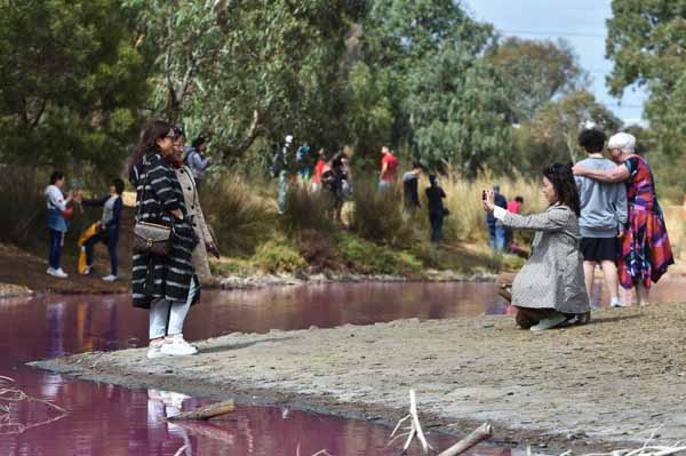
596,386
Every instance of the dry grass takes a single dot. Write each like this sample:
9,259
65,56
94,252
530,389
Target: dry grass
467,219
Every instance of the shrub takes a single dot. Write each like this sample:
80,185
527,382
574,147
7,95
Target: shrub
306,210
378,216
240,219
278,256
319,250
368,258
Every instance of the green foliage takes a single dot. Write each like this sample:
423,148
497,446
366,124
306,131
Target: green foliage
536,71
240,219
368,258
243,69
278,256
646,41
449,106
552,134
71,80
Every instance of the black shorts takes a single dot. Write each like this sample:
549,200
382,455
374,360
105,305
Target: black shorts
600,249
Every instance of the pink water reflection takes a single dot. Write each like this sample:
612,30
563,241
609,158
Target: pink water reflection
108,420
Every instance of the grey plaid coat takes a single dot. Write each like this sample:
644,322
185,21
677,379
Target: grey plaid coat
553,277
158,194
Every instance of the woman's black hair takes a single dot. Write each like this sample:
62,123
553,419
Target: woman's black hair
55,176
199,141
592,140
118,185
565,186
147,142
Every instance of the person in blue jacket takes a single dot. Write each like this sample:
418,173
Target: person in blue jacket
108,228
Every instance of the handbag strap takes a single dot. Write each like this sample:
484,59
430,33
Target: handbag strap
140,203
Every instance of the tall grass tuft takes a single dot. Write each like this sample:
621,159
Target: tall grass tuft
306,210
467,217
240,219
378,215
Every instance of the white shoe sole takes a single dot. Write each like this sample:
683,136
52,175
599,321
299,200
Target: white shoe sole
184,353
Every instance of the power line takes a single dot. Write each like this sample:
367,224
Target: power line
554,33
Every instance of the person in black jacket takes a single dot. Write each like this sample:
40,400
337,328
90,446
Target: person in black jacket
108,228
435,195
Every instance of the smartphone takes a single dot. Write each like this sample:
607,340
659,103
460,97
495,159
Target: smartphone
483,195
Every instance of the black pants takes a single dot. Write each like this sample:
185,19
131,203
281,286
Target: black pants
436,220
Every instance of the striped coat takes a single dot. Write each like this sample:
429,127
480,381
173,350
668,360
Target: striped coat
157,194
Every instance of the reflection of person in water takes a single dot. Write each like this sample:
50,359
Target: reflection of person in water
162,405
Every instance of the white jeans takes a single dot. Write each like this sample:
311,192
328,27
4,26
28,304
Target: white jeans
166,319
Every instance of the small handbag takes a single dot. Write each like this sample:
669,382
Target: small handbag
152,238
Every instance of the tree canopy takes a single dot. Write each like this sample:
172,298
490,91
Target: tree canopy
71,81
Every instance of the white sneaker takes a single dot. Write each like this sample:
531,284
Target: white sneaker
616,302
86,271
110,278
59,273
549,323
177,346
155,350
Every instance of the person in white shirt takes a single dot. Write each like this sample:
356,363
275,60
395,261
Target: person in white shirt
58,213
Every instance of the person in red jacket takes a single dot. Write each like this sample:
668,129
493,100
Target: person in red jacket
389,169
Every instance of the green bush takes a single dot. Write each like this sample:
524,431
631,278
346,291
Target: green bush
240,219
278,256
368,258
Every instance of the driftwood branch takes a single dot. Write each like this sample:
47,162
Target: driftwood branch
206,412
483,432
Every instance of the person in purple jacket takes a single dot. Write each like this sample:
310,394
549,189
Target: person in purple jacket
108,228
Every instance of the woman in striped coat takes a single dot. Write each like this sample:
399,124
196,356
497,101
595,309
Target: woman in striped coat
164,284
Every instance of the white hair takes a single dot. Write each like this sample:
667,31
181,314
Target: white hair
622,141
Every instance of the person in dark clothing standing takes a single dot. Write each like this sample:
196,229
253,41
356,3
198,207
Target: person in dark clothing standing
108,228
411,187
497,234
435,195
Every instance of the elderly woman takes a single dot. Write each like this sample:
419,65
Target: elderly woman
166,285
190,194
549,291
646,252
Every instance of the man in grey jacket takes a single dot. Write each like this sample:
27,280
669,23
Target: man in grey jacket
603,216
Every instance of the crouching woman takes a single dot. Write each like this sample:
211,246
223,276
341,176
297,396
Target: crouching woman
549,291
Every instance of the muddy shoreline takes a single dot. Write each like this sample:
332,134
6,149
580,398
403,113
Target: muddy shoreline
589,388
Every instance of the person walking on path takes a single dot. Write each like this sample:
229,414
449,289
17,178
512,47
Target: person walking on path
646,252
59,212
435,195
389,169
196,161
192,201
411,187
167,285
549,290
107,228
497,234
603,216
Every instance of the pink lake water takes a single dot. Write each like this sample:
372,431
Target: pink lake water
105,419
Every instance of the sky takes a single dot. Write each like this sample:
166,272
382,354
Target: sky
579,22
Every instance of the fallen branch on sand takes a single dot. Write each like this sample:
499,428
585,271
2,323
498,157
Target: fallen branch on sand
206,412
483,432
10,393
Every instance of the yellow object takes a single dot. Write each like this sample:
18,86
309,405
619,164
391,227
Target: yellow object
88,233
